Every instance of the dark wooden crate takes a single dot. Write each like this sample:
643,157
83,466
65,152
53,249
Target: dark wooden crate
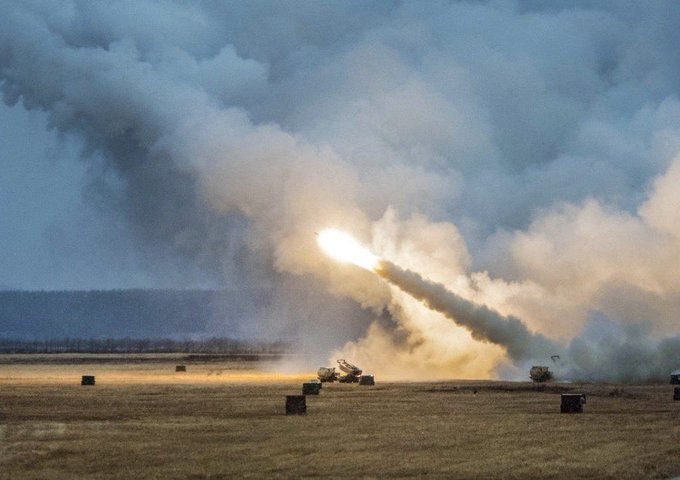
87,380
572,402
296,405
311,388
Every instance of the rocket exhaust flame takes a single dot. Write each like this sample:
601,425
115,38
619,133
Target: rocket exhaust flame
344,248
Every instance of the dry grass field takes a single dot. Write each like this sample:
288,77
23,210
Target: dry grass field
226,420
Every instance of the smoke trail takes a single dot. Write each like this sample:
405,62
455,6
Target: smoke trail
604,351
484,324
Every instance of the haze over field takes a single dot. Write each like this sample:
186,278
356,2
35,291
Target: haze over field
524,155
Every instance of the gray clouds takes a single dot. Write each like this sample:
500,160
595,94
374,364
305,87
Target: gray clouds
534,138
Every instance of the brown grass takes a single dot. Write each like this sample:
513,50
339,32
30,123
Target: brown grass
146,421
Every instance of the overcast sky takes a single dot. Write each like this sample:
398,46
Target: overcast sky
524,153
51,238
503,108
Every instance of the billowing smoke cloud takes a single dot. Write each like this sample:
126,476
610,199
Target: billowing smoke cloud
603,353
608,352
523,154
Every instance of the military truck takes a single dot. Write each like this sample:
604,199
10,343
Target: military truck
540,374
352,373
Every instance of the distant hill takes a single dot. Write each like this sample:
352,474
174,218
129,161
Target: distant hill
123,313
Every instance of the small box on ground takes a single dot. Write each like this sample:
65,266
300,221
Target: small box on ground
296,405
181,368
311,388
366,380
572,403
87,380
675,377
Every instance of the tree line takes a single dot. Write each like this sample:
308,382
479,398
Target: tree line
136,313
213,345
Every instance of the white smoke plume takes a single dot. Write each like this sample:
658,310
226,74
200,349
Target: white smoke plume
602,354
484,324
523,154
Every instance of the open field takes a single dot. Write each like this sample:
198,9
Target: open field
226,420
